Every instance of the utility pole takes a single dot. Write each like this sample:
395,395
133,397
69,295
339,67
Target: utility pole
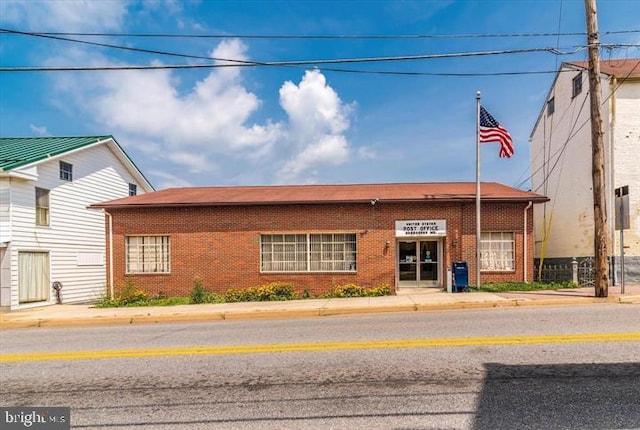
597,151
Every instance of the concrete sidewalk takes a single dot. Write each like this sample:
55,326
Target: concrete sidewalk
412,300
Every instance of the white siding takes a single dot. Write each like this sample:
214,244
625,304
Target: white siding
5,277
98,176
5,199
569,183
627,156
561,162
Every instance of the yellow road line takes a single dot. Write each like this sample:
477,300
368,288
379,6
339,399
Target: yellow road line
321,346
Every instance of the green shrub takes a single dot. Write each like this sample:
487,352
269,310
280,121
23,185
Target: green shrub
496,287
198,293
169,301
130,295
353,290
105,302
277,291
274,291
348,290
380,290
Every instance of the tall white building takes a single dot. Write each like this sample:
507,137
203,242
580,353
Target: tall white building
48,236
561,164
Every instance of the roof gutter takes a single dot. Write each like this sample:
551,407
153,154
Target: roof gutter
469,199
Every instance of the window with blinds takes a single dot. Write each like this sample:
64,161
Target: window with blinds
148,254
330,252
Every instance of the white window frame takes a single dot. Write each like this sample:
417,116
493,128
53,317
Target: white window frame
497,251
308,252
147,254
133,189
66,171
43,207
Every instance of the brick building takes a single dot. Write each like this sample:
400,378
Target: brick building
317,236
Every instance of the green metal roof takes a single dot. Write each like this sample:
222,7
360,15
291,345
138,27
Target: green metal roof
19,151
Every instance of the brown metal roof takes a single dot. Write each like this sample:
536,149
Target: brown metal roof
628,68
314,194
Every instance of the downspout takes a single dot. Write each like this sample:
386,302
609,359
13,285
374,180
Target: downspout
526,233
612,123
111,292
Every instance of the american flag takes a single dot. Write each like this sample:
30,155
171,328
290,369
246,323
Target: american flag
492,131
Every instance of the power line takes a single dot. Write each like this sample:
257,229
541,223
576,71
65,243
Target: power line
214,66
321,36
297,63
300,62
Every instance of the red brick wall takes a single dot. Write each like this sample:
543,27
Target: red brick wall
221,245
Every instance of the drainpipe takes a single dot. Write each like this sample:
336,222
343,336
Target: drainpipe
524,276
612,179
111,293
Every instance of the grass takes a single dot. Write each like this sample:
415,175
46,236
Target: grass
105,302
501,287
348,290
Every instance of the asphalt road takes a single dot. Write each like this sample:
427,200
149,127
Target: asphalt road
549,367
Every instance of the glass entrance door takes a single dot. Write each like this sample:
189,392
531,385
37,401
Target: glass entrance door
418,263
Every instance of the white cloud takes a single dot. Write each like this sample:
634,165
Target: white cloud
313,106
64,15
366,153
317,121
212,117
167,180
195,163
205,129
39,130
327,150
190,129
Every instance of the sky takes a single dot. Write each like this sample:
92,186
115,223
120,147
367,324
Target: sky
397,119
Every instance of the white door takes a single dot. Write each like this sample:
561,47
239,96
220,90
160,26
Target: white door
33,277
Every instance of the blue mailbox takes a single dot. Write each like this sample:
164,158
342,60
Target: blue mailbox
460,276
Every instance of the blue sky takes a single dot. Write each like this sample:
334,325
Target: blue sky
296,124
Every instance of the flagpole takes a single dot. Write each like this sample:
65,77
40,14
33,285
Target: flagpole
478,189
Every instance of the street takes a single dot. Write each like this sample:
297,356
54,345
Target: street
571,367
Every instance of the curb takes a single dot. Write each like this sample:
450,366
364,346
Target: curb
6,322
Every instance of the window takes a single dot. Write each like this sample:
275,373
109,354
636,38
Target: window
133,189
497,251
42,206
335,252
551,106
148,254
577,85
66,171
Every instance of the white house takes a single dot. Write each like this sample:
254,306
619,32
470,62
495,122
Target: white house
561,164
48,236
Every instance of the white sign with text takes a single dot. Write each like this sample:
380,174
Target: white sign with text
437,227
